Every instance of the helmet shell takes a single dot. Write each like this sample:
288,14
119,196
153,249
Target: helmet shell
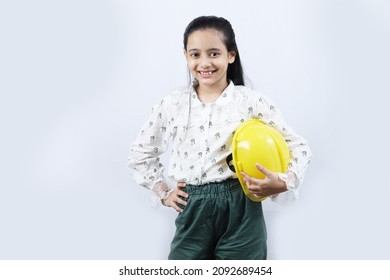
255,142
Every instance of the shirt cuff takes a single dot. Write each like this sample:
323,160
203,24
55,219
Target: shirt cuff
292,184
160,191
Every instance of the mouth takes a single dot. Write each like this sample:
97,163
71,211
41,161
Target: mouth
207,74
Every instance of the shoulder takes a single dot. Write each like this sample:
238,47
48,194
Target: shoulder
246,93
248,97
173,99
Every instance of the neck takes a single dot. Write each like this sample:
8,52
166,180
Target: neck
209,94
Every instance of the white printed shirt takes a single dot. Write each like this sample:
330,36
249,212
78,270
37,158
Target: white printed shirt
201,136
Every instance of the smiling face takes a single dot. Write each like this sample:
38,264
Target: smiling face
208,59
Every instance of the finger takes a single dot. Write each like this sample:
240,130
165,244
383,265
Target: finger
250,180
172,203
246,177
177,202
259,195
181,184
183,194
181,201
254,188
177,208
258,189
264,170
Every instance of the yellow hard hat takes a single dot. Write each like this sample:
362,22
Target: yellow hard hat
255,142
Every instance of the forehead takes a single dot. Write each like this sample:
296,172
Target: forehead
205,39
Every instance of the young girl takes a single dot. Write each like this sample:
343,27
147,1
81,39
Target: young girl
216,220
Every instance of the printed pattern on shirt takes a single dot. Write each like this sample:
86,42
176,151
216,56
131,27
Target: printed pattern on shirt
201,136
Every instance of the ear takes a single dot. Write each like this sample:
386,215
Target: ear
232,57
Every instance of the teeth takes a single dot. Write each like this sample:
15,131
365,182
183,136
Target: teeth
206,73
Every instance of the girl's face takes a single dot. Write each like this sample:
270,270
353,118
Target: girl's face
208,59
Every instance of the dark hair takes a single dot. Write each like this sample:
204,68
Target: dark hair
234,72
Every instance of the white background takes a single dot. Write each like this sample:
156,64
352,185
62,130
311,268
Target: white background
78,79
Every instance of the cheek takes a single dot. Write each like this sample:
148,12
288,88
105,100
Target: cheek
192,67
191,64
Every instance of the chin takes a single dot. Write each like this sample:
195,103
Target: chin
206,82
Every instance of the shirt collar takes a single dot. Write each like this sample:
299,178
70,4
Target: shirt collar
225,97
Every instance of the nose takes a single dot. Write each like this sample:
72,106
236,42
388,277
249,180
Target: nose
205,63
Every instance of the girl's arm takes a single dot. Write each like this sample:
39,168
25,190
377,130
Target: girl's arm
300,153
144,161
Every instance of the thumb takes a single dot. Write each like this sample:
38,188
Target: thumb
264,170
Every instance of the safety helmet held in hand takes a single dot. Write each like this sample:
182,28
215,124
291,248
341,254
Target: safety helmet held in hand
255,142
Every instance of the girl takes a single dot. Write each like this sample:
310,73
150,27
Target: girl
216,220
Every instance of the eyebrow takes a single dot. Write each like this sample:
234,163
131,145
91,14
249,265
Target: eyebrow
212,49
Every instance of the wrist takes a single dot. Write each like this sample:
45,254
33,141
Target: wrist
289,180
282,184
165,195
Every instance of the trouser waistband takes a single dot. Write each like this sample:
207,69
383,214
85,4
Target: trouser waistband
214,188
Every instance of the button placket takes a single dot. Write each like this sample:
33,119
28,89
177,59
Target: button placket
206,125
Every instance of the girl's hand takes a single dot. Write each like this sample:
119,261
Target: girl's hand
270,185
175,198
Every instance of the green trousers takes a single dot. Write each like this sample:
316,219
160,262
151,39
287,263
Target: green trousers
219,222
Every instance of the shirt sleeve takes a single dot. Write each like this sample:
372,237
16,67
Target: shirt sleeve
300,153
144,161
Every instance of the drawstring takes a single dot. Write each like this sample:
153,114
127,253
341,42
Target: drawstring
188,117
190,91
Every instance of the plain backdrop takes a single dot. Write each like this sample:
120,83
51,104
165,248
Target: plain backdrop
79,78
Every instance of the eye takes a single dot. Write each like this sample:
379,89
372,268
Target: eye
214,54
194,55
